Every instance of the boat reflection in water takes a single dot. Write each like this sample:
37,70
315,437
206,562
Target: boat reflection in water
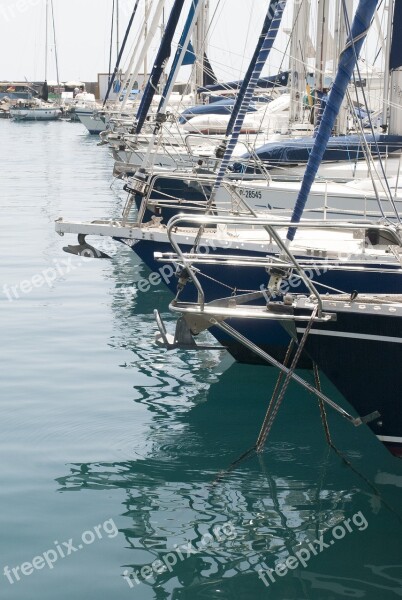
272,505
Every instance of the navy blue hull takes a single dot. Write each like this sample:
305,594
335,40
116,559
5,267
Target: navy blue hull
187,190
366,371
220,282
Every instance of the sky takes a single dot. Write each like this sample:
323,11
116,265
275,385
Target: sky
83,37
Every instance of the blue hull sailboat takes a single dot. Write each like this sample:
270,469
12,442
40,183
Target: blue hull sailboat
236,276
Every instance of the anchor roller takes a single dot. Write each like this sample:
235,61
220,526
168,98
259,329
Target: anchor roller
85,249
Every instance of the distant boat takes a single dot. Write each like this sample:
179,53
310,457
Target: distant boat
91,119
35,110
39,109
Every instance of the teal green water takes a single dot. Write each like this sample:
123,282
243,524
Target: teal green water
98,427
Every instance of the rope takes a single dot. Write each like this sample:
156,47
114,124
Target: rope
323,412
275,392
341,454
275,402
250,452
225,285
274,410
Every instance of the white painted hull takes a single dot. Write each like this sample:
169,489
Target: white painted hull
35,114
94,124
134,159
334,200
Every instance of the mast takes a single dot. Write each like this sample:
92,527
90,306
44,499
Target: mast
178,60
111,41
161,59
347,63
387,75
144,49
182,48
395,68
117,30
321,57
200,44
343,20
146,17
46,36
119,56
299,53
55,46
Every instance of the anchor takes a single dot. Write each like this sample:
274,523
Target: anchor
85,249
182,338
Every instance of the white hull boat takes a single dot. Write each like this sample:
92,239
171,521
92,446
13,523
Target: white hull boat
35,114
91,121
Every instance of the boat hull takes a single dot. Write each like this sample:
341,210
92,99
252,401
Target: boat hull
218,283
35,114
361,353
94,124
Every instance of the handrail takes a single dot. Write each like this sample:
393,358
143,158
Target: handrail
271,225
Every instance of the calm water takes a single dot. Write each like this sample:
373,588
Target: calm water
100,427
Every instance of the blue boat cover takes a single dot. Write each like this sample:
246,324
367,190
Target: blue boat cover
279,80
221,107
348,147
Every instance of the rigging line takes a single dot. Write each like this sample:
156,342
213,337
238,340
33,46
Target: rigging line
55,45
253,450
208,31
111,41
225,285
275,399
243,58
367,154
327,287
284,53
274,411
212,19
352,43
113,76
323,412
46,37
292,535
341,455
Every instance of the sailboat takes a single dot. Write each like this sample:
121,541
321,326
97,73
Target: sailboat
354,338
218,267
39,109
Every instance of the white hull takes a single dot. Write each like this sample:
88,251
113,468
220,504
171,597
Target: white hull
135,158
35,114
94,124
328,199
